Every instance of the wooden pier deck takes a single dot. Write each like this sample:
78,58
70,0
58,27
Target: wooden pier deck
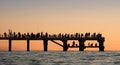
81,38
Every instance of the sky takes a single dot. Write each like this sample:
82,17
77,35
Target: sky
65,16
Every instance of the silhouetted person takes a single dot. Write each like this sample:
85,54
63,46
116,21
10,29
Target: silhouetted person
50,36
89,34
19,35
94,34
38,35
68,35
79,35
5,34
28,35
32,35
86,35
62,35
42,35
91,44
46,35
73,44
14,35
99,35
59,35
82,35
95,44
76,45
76,35
24,35
65,35
54,35
71,35
68,45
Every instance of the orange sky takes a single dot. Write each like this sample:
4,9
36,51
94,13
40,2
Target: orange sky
65,16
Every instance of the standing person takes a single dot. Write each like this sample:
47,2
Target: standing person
91,44
73,43
76,45
95,44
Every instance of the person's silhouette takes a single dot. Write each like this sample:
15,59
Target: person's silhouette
73,44
95,44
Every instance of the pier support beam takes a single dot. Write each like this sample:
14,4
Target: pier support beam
45,43
65,46
101,44
81,45
28,45
10,45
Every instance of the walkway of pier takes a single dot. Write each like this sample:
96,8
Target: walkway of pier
80,37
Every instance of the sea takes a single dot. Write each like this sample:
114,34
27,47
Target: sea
60,58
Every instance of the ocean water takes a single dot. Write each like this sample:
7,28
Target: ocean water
60,58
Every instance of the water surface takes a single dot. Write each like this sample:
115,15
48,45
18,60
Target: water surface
60,58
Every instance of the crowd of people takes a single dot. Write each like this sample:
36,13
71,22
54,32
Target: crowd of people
73,44
46,35
89,44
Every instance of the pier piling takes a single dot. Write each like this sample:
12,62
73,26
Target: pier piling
28,45
81,45
65,47
101,44
45,41
10,45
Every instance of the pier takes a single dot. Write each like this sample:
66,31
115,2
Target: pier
45,37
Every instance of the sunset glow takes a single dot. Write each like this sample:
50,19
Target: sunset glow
60,16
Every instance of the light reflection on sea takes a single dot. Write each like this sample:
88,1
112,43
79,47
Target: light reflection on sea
60,58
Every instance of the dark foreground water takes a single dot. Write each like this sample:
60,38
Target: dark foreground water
60,58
